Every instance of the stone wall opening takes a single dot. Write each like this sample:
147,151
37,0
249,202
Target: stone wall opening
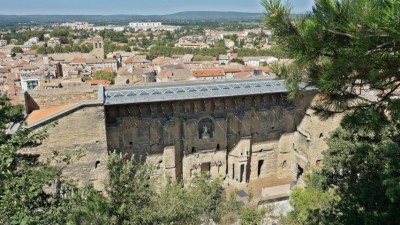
233,171
260,165
241,173
300,171
96,164
205,168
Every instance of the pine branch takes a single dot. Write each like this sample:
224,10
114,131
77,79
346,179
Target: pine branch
340,33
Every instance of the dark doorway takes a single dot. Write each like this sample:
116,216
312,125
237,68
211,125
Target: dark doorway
260,165
241,173
299,171
233,171
217,146
205,168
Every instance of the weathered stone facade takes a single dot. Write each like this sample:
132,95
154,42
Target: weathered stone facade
42,99
237,138
83,130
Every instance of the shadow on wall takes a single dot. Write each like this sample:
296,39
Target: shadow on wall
30,103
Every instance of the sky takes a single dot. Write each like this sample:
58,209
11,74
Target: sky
135,7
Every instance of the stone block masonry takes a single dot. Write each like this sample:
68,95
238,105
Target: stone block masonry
233,138
83,129
43,99
238,138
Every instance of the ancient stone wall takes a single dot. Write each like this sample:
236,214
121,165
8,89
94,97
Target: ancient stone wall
239,139
200,134
42,99
310,137
84,130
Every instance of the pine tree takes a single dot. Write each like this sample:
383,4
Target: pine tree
342,47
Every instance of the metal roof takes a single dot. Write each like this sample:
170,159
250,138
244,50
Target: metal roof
192,90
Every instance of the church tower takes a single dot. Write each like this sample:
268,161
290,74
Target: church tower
98,47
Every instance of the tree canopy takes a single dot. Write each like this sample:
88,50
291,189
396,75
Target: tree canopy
344,48
17,49
104,75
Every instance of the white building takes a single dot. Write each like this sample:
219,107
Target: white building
196,45
53,42
170,28
229,43
28,44
3,43
78,25
29,81
192,38
145,25
259,61
114,28
152,26
224,59
33,40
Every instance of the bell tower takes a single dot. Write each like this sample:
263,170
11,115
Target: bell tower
98,47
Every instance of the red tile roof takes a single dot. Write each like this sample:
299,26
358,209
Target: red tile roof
30,52
43,113
208,73
232,70
134,60
243,74
79,60
163,74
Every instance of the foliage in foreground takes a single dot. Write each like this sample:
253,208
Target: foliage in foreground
134,199
342,47
359,181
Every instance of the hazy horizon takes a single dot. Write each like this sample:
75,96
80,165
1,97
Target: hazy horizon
124,14
145,8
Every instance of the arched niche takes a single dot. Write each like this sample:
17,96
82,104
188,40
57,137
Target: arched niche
206,129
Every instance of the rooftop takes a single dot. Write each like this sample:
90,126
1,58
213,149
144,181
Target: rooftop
41,114
192,90
208,73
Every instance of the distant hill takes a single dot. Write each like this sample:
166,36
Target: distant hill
212,15
193,15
